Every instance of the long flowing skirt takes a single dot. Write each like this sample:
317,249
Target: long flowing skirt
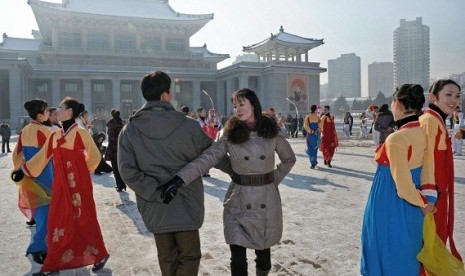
313,141
392,231
74,236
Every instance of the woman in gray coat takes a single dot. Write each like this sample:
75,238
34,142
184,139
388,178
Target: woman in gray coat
252,214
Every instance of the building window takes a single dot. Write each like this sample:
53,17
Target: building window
98,62
126,90
98,41
125,42
126,98
99,92
41,87
151,44
70,40
69,61
71,87
99,87
175,45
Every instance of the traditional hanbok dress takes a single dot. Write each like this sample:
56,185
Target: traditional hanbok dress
213,124
74,236
34,193
312,126
392,231
440,175
329,141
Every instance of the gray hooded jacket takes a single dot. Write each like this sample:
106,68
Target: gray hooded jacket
156,143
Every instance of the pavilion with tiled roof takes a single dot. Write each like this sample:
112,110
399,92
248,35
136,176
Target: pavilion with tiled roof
283,46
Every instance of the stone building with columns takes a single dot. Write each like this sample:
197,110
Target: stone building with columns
98,52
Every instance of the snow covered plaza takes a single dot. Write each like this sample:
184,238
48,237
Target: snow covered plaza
323,212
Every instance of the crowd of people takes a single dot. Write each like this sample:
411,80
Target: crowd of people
164,165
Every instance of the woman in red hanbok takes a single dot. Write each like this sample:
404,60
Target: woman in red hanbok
213,124
74,237
444,97
329,141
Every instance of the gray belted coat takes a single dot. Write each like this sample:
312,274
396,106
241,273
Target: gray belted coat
252,215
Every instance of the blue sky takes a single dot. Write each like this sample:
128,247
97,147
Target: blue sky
360,26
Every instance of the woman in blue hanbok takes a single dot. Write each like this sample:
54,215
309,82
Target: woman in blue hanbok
34,194
392,231
312,125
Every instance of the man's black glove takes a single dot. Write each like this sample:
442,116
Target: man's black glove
17,176
169,190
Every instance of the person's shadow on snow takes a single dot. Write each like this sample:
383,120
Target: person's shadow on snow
307,182
107,180
129,208
349,172
215,187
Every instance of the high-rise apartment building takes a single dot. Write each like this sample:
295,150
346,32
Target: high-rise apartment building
411,53
380,79
344,77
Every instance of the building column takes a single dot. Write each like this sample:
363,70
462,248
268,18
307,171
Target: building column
299,56
86,95
55,38
56,97
261,89
195,94
229,92
138,42
16,105
243,81
116,93
220,97
306,56
286,54
112,40
163,41
84,40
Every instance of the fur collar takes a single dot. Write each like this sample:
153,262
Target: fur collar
238,133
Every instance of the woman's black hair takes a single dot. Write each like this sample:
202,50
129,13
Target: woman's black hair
327,107
313,108
77,107
439,85
115,113
411,96
35,107
384,108
250,95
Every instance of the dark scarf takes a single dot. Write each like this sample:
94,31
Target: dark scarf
439,111
68,123
403,121
238,131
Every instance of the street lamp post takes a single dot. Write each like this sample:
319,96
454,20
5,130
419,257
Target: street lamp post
296,112
211,101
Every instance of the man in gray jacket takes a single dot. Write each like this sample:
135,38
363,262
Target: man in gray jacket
156,143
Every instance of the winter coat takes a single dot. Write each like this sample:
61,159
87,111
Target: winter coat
252,215
384,123
5,132
114,127
156,143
